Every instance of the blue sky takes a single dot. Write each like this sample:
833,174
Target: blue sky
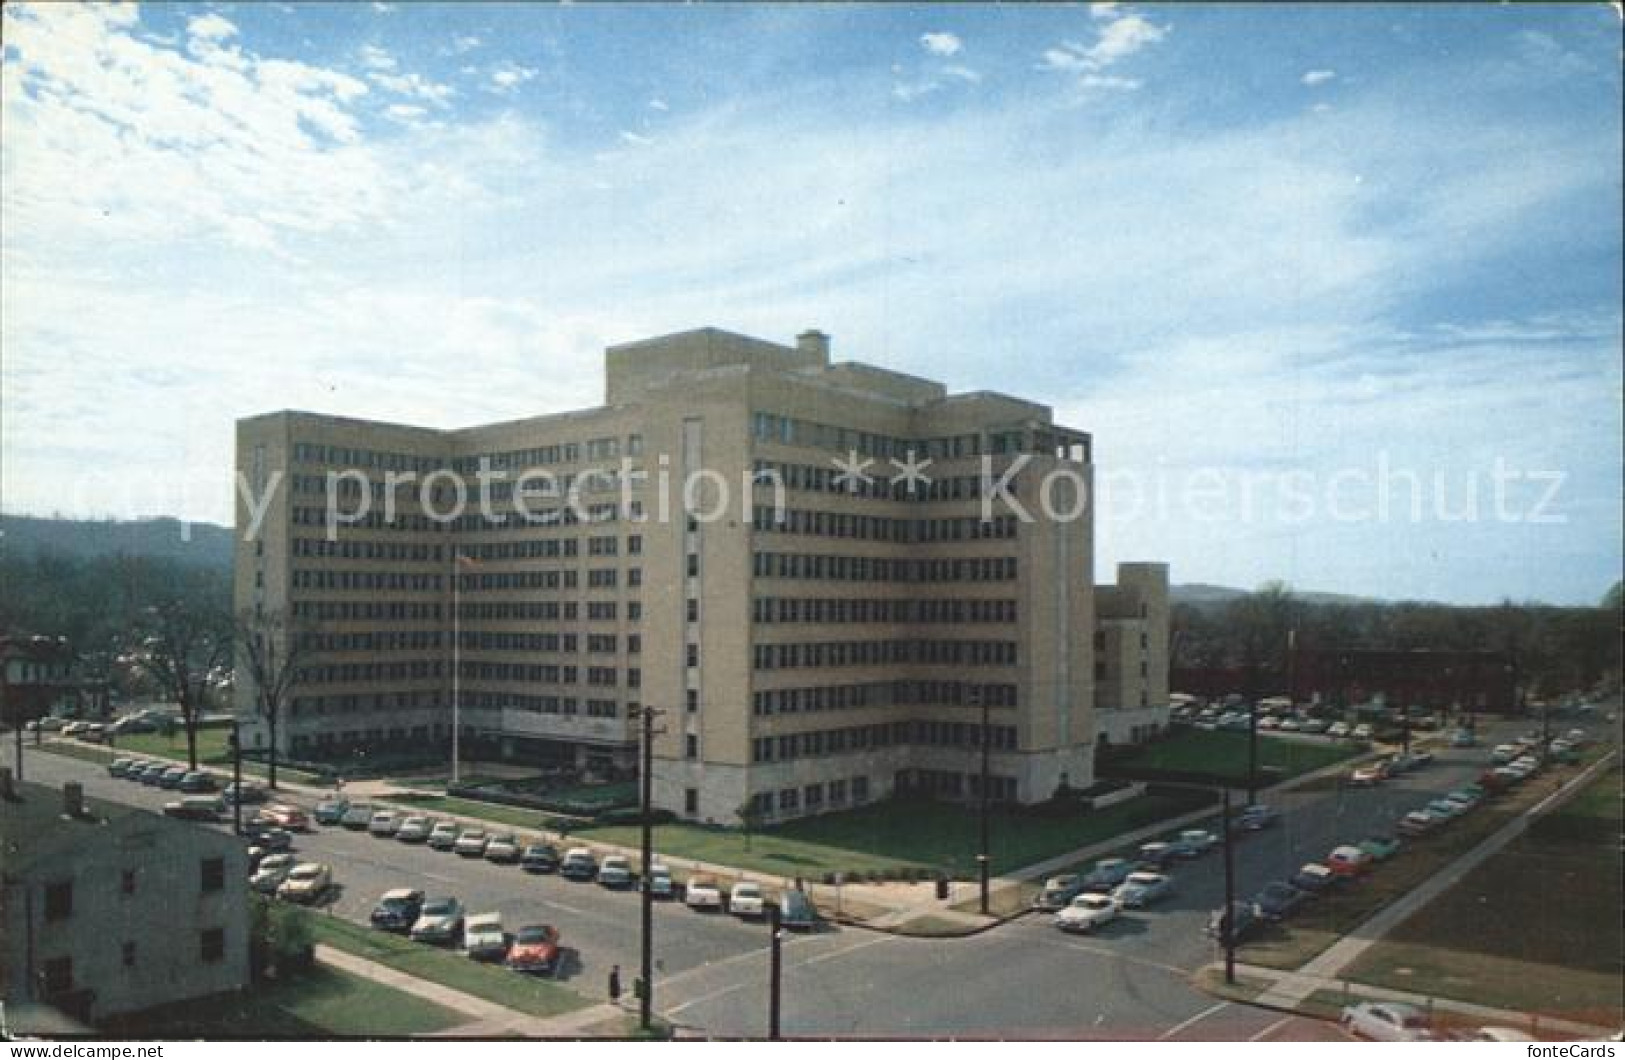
1272,257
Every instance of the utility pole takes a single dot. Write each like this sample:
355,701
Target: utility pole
236,777
1227,922
1252,752
775,970
646,782
983,859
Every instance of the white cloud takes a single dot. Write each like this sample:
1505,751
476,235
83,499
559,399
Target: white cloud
414,85
1103,10
464,45
943,44
1109,82
406,113
658,104
377,59
507,77
963,73
211,27
1318,77
636,139
1120,33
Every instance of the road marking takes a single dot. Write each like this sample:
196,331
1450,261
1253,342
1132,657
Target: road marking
1271,1029
876,941
1202,1015
566,908
1107,951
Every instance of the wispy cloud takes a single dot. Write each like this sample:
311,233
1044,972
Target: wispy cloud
943,44
1314,78
1118,34
508,76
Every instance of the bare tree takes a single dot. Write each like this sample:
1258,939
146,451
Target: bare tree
272,648
182,647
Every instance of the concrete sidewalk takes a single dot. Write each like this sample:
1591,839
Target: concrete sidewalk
486,1018
1293,987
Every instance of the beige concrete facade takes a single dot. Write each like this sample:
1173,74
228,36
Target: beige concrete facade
1131,654
815,639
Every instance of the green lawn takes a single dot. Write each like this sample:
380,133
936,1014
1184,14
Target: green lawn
522,993
1536,928
902,834
322,1003
486,811
1224,754
212,752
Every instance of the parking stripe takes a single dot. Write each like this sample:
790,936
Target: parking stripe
1186,1024
1271,1029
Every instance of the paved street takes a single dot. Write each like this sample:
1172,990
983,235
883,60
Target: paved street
1023,979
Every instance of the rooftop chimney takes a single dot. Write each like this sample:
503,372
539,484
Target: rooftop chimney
814,343
73,799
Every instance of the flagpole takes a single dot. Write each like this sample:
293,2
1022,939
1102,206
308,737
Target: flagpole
456,663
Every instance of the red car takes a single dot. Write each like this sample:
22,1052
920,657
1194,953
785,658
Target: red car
282,816
535,949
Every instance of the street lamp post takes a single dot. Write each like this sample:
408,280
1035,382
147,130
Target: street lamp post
983,859
1227,922
1252,752
236,777
646,783
775,972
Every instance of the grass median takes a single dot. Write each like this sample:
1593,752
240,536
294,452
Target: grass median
522,993
1223,754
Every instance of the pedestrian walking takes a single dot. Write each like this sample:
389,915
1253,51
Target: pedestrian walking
615,984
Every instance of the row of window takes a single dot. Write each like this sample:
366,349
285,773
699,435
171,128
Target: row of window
565,706
811,796
917,733
780,609
884,652
941,783
597,643
548,673
791,430
880,694
769,519
310,453
346,486
372,519
359,703
875,484
344,673
368,610
368,581
567,515
883,569
541,456
58,904
547,610
384,640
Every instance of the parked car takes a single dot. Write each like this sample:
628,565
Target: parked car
306,882
1257,817
746,899
1380,847
153,773
1058,892
197,782
535,950
1315,726
659,882
1241,919
1106,874
415,830
74,728
282,815
579,865
471,844
332,811
358,816
1086,913
272,870
443,836
1367,775
1445,810
1194,842
1291,725
796,911
1415,823
615,872
171,778
540,857
1314,878
397,910
483,937
1155,856
1466,798
270,840
1361,731
1386,1021
1338,729
1463,738
503,849
195,808
440,920
1140,889
118,766
384,824
1349,860
1504,753
244,793
702,892
1277,900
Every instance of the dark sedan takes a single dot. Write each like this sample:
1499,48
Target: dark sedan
398,910
1277,900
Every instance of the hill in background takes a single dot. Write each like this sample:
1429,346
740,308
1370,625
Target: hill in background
26,536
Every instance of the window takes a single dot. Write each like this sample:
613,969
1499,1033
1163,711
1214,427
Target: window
691,746
691,801
129,955
634,545
127,882
692,698
58,901
693,655
58,976
214,874
212,945
693,564
693,610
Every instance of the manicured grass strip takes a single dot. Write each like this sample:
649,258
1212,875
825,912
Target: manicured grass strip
321,1003
1224,754
212,753
1323,921
485,811
904,834
1535,928
522,993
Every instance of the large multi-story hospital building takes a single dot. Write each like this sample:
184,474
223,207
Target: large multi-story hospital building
821,573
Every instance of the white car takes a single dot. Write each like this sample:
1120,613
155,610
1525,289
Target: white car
1362,731
615,871
746,899
483,937
1141,889
414,830
1387,1021
1338,729
384,824
1086,913
439,920
305,883
274,868
702,892
1194,842
471,844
